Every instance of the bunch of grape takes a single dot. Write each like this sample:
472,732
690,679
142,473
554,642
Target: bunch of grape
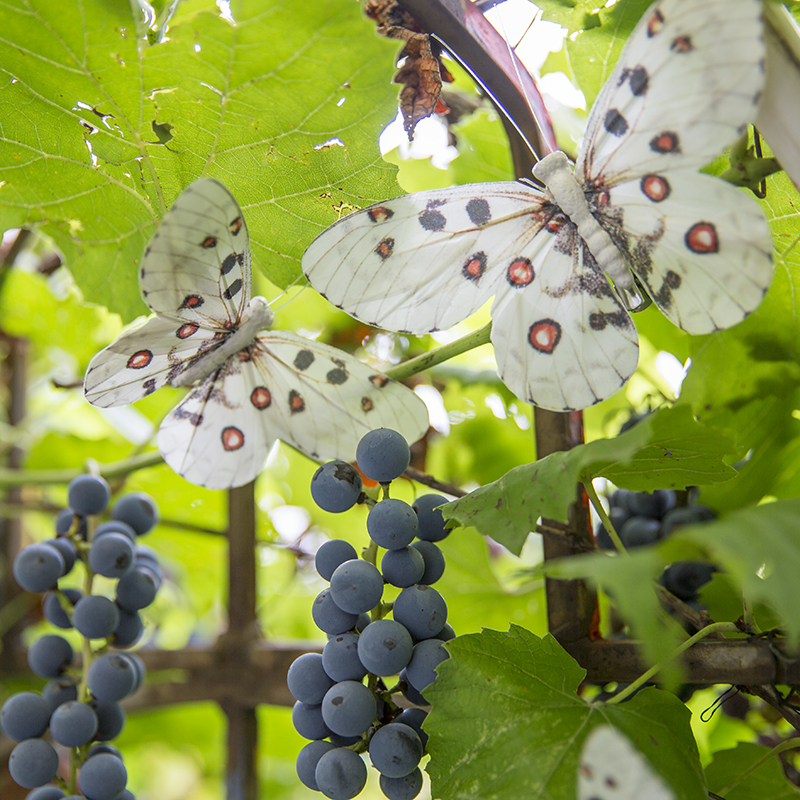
79,709
643,518
344,701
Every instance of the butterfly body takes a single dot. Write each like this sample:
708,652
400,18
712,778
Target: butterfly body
686,85
250,386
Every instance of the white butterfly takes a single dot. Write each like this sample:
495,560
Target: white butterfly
195,276
611,768
686,84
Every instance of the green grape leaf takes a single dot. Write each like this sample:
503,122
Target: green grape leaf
507,723
732,767
102,126
666,450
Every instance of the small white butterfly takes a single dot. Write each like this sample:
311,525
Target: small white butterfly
686,84
611,768
195,276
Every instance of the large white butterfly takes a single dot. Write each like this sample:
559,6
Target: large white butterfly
686,84
253,389
611,768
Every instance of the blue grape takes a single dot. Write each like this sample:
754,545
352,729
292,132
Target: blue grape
422,610
307,761
414,717
618,517
53,610
110,719
111,677
24,716
58,691
64,522
115,526
340,658
404,567
392,524
328,617
343,741
349,708
383,455
654,505
395,750
639,531
427,655
688,515
95,616
431,521
147,557
308,722
409,692
48,792
103,747
102,777
128,630
362,622
336,486
67,550
73,724
385,647
356,586
111,555
447,633
137,588
307,679
434,561
33,763
340,774
88,494
405,788
138,668
331,554
685,578
50,655
138,510
38,567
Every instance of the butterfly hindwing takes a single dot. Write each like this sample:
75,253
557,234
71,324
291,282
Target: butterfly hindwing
563,340
687,82
196,267
427,260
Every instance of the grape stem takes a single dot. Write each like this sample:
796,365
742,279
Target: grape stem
715,627
444,353
601,512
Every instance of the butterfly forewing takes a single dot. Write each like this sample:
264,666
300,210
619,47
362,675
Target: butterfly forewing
427,260
196,267
686,84
562,341
145,359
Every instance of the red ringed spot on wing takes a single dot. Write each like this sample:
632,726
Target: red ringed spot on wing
655,23
475,267
379,381
385,247
233,289
478,211
702,238
140,360
261,398
615,123
187,330
520,273
232,438
367,404
191,301
432,220
296,402
380,214
544,335
666,142
209,242
655,188
235,226
683,44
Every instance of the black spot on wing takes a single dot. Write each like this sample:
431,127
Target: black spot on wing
478,211
615,123
233,289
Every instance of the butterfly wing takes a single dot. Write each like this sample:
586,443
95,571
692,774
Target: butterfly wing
686,83
283,386
611,768
427,260
196,267
563,341
144,359
701,247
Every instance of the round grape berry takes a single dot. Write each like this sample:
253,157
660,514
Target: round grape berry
349,708
110,719
422,610
395,750
385,647
115,526
340,658
58,691
50,655
414,717
24,716
137,588
688,515
331,554
328,617
433,559
427,655
431,521
685,578
48,792
383,455
308,722
102,777
336,486
53,610
340,774
404,567
307,680
111,677
33,763
95,616
111,555
307,761
88,494
654,505
138,510
38,567
392,524
73,724
640,531
356,586
128,630
405,788
67,550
